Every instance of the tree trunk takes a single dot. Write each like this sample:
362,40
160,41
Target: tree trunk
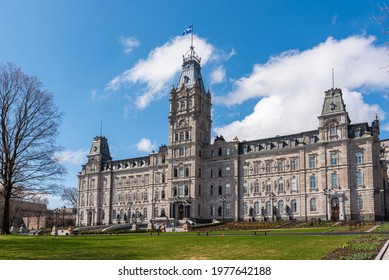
7,200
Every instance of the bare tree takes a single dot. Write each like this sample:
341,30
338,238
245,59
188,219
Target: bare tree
70,195
29,123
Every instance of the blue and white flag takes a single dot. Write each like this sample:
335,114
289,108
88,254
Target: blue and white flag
187,31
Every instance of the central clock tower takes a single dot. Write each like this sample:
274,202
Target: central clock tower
189,132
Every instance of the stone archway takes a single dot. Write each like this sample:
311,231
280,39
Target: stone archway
335,209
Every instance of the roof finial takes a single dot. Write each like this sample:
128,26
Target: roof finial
101,128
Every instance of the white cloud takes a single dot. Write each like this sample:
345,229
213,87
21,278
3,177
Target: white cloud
218,75
93,93
290,87
145,145
73,157
156,73
129,43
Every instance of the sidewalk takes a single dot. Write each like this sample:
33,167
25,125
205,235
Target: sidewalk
384,253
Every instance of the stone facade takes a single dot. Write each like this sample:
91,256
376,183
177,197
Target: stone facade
336,172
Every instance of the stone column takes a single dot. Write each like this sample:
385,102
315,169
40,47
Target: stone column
329,212
342,215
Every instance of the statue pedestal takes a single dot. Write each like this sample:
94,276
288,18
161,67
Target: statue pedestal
186,226
54,231
150,226
134,227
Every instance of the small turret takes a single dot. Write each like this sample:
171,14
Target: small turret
375,128
99,152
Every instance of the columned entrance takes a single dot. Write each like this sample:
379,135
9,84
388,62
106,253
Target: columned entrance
335,209
181,212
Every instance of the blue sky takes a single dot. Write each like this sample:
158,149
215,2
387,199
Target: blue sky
266,63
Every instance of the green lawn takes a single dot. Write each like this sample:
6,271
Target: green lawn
168,247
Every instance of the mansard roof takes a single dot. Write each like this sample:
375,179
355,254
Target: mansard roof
191,71
306,137
333,102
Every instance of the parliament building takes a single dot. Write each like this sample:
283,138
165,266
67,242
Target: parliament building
336,172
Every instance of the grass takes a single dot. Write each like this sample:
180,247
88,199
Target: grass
169,247
364,247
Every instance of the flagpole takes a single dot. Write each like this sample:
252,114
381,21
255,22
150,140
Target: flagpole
191,43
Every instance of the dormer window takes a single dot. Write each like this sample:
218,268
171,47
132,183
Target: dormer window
186,79
332,106
333,130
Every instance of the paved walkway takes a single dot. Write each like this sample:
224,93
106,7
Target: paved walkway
384,253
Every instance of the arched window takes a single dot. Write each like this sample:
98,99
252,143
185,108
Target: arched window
280,185
245,187
293,205
281,206
256,208
220,190
220,151
268,208
333,130
182,105
312,204
145,213
293,184
245,209
268,185
228,188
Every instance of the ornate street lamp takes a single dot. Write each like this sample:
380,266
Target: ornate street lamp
186,203
63,208
272,198
223,200
56,212
327,192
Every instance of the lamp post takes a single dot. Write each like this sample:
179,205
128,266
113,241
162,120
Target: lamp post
223,200
327,192
153,201
272,197
56,212
63,208
186,204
